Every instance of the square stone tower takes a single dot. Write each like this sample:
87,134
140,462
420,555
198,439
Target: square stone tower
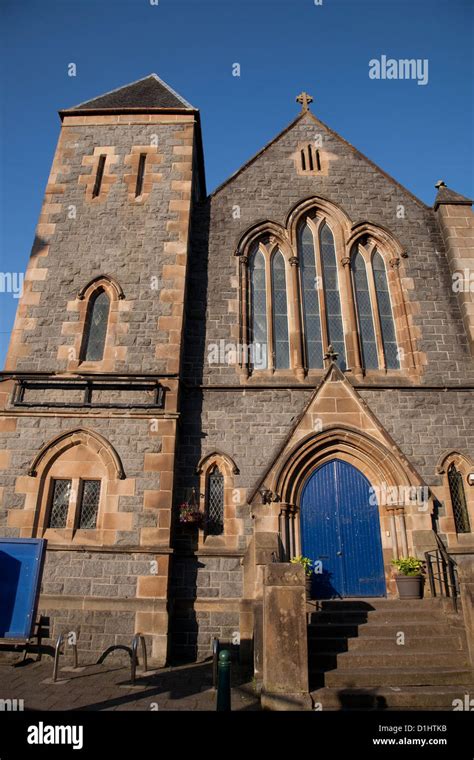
89,399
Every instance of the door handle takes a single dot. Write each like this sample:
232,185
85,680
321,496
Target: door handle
339,554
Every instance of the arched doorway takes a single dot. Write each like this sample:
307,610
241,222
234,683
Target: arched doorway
340,528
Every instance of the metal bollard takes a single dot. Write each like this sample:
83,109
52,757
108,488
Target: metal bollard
138,638
215,661
223,682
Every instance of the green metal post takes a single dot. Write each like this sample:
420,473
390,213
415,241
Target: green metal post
223,682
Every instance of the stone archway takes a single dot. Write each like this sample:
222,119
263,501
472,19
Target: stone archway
393,482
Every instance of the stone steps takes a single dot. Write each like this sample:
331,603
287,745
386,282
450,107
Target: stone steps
377,658
383,616
395,698
413,643
355,661
321,630
395,676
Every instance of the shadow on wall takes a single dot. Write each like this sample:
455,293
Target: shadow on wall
184,627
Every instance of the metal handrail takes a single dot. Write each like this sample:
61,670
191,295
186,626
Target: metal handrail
57,651
446,572
139,637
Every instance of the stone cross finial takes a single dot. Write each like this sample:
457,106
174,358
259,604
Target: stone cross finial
305,100
331,355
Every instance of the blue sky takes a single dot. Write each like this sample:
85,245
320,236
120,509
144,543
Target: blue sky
417,133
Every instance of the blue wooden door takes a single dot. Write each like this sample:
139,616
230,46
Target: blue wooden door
340,528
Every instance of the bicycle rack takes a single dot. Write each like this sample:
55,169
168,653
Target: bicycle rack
57,652
139,637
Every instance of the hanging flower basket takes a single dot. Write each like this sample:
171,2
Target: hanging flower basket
189,514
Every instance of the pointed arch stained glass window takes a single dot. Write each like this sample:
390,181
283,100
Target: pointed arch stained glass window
384,305
98,317
365,317
331,292
310,298
258,307
281,345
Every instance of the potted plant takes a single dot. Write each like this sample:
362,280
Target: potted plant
409,579
308,571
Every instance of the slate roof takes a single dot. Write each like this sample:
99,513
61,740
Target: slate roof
149,92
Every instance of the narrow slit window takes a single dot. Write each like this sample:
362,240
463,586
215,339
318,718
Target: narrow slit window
140,175
89,506
318,160
303,161
61,494
99,176
310,158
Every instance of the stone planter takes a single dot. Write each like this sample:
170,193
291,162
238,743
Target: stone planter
410,586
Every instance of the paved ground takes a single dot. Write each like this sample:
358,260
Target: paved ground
108,687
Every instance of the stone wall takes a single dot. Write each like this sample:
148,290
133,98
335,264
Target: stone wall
267,189
96,595
141,243
206,592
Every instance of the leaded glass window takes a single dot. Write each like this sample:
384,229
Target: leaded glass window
215,502
458,500
281,345
365,318
258,307
331,292
310,296
89,505
384,305
98,317
61,493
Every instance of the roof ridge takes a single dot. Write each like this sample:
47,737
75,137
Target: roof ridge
165,84
115,90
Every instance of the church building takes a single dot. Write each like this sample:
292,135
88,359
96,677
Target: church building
200,386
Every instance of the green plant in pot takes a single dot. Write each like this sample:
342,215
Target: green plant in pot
409,579
308,571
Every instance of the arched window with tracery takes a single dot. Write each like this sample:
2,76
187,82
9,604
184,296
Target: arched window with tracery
373,306
320,294
318,284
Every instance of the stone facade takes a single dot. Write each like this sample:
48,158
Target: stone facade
174,264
